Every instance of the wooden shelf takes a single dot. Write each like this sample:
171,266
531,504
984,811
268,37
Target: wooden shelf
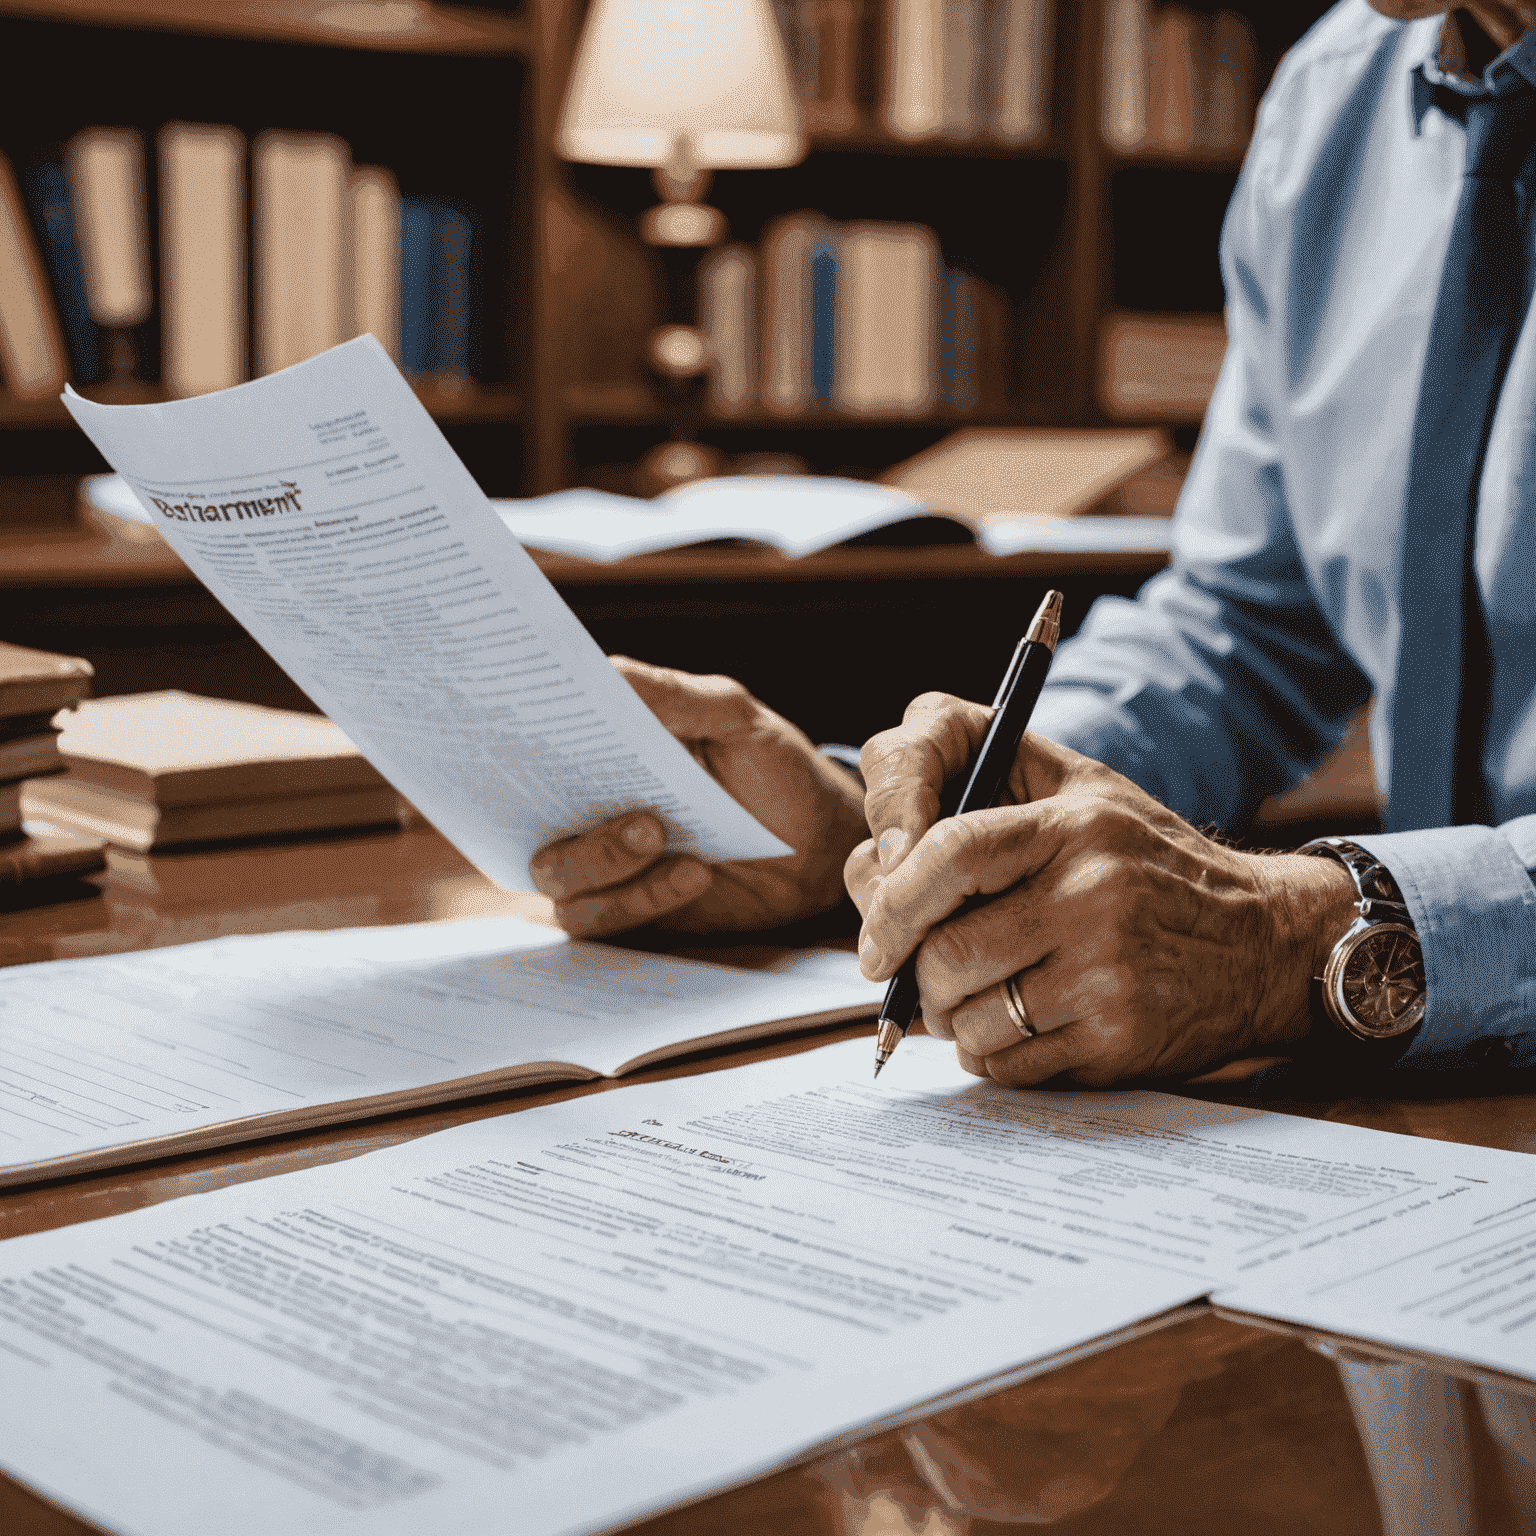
716,567
875,140
1225,160
449,405
321,23
623,405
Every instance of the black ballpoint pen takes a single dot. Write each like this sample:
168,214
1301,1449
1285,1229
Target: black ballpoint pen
1016,698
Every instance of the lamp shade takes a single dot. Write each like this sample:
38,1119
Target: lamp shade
704,81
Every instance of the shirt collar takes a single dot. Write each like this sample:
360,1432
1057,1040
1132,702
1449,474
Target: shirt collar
1513,70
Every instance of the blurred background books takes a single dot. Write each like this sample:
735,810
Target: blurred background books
994,217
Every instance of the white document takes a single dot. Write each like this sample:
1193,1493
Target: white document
1444,1266
596,1309
115,1058
580,1313
326,511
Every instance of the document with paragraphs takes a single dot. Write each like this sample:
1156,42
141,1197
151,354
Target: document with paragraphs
323,507
116,1058
595,1310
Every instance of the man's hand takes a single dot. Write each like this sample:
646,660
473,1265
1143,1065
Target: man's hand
618,876
1142,948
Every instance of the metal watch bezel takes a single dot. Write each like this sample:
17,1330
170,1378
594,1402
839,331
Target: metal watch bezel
1334,973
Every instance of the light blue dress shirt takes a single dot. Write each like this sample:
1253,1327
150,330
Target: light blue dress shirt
1235,671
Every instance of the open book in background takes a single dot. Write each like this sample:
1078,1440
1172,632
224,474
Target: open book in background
1008,490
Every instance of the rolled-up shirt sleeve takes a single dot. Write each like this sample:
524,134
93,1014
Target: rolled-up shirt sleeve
1470,893
1222,682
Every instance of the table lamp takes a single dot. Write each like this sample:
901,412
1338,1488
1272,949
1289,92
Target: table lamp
685,87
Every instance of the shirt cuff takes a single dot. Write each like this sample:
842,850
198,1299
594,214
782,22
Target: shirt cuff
1474,906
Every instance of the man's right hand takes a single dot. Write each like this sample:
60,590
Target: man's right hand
619,876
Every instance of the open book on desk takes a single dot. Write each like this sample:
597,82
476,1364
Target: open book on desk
117,1058
597,1309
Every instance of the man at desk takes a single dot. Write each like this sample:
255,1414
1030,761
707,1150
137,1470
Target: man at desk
1360,518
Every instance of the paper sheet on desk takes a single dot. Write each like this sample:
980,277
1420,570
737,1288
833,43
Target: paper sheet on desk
592,1310
549,1322
323,507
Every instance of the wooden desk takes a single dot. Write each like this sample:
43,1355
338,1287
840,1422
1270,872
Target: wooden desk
1204,1429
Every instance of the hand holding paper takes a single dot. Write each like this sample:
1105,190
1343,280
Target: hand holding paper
618,876
325,510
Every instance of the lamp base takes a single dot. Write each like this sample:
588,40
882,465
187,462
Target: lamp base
676,463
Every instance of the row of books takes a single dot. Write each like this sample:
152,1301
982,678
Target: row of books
336,252
1176,80
962,69
864,318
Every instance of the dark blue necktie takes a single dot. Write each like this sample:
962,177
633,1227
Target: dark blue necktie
1440,696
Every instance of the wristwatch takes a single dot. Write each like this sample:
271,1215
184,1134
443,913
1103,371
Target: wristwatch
1373,984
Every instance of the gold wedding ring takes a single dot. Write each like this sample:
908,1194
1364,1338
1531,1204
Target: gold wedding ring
1018,1015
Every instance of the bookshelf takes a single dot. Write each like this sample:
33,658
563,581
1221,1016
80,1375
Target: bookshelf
463,101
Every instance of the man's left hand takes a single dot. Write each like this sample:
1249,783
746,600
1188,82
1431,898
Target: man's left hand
1141,947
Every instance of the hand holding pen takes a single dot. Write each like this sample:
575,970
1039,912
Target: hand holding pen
1016,698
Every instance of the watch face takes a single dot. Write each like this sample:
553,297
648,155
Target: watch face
1382,981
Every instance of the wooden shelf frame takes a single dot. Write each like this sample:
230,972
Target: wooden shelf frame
442,29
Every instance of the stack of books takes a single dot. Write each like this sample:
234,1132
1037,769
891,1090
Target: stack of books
864,318
34,687
1177,81
151,770
970,70
335,252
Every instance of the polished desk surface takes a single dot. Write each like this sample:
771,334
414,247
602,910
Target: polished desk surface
1203,1427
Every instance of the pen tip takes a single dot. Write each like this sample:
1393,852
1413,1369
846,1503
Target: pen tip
1046,628
881,1058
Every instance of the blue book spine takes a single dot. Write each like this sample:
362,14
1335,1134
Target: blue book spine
47,193
457,252
823,324
418,305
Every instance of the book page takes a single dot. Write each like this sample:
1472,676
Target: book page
797,514
323,507
101,1056
584,1312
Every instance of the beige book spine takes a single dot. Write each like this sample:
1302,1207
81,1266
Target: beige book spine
786,334
1124,90
888,318
1174,115
107,184
202,258
1025,66
375,277
302,216
728,318
914,82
